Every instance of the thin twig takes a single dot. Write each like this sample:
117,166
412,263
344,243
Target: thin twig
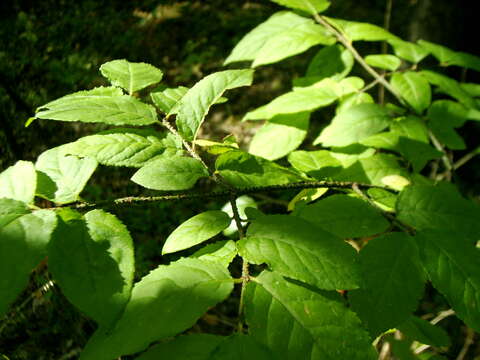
404,227
466,345
348,45
442,315
132,200
386,26
446,161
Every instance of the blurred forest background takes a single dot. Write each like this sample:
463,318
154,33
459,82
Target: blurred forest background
50,48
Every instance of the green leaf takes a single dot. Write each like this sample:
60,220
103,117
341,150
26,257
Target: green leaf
384,61
439,207
297,323
372,170
401,349
413,88
299,100
411,127
10,210
318,164
196,230
280,136
61,178
450,87
334,62
424,332
292,42
170,300
354,124
174,173
444,116
221,252
356,31
23,241
91,259
338,214
243,202
131,76
418,153
251,45
408,51
19,182
351,100
195,104
93,106
126,147
293,247
394,282
310,6
244,170
454,270
191,347
472,89
168,100
208,347
385,199
449,57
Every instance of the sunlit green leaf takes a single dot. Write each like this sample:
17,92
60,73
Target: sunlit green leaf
61,177
383,61
338,214
23,241
91,259
448,57
292,42
174,173
334,62
221,252
195,104
279,23
354,99
196,230
280,136
439,207
300,250
408,51
354,124
167,99
299,100
245,170
298,323
450,87
169,300
414,89
131,76
356,31
126,147
95,106
319,164
372,170
19,182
